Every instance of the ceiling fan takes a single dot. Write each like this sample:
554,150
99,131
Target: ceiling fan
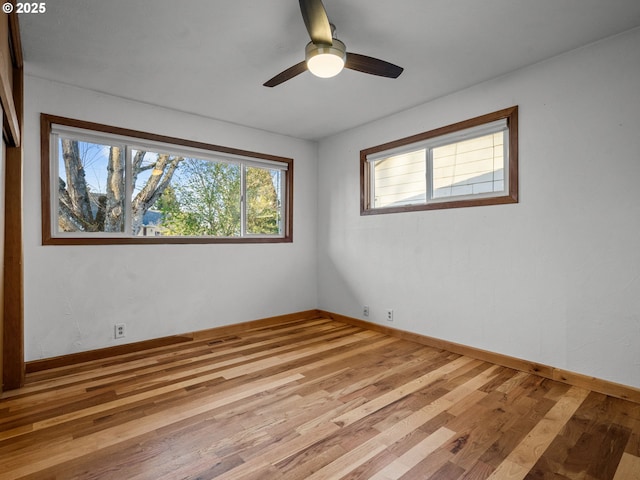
325,55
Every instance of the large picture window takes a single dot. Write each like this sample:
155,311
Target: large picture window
470,163
104,185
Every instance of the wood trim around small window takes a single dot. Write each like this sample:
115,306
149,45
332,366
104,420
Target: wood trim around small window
511,116
46,123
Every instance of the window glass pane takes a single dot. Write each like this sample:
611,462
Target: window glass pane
90,186
108,185
400,179
176,196
469,167
263,201
466,164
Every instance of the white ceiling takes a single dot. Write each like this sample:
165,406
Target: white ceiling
211,57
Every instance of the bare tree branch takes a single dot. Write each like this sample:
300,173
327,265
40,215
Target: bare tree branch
76,182
136,166
114,200
82,210
160,178
68,220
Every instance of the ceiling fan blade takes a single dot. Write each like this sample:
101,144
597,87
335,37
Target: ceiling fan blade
316,20
288,74
371,65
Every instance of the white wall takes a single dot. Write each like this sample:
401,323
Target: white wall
74,295
554,279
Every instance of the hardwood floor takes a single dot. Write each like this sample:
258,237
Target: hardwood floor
312,399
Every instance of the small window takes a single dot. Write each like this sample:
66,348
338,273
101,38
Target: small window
108,185
467,164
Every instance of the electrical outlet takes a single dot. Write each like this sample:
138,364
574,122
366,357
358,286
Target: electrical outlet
120,330
389,315
365,310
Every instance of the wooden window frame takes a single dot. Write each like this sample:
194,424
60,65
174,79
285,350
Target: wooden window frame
511,196
48,238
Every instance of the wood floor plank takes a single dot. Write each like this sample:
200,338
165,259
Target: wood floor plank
310,399
29,462
388,437
628,468
526,454
137,364
390,397
173,384
414,456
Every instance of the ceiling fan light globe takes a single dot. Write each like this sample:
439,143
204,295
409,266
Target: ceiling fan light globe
326,61
325,65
